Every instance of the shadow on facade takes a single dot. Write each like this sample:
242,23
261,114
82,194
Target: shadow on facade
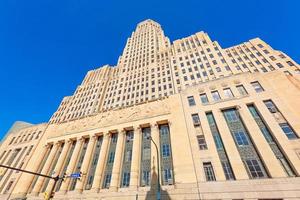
152,194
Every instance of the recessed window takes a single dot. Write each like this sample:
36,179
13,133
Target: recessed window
165,150
215,95
254,169
257,87
209,171
241,138
241,89
228,171
228,93
288,131
203,98
191,101
201,142
196,120
271,106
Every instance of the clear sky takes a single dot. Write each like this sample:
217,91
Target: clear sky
47,46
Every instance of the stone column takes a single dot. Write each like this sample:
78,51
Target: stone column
233,154
101,163
263,149
25,180
59,164
115,175
156,139
71,166
135,162
85,163
45,170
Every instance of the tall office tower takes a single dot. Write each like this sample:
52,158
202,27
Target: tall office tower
208,122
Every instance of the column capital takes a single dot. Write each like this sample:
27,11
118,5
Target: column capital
57,143
69,141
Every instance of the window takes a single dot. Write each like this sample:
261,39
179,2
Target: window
209,171
271,106
231,115
146,178
241,90
241,138
146,153
191,101
215,95
196,119
201,142
227,170
218,141
228,93
257,87
107,180
254,168
128,156
126,179
168,176
203,98
114,138
165,150
288,131
111,157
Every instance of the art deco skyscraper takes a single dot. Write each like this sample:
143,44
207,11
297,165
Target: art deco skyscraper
225,121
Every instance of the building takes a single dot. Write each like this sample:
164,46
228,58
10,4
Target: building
225,121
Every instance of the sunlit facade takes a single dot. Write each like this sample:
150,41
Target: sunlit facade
225,121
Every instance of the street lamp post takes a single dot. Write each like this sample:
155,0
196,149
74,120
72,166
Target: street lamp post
158,170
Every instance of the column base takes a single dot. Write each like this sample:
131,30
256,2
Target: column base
113,189
94,190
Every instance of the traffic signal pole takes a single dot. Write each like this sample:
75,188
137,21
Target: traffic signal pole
56,178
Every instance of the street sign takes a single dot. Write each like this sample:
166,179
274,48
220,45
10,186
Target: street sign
75,175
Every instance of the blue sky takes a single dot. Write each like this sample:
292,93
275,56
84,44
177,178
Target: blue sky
46,47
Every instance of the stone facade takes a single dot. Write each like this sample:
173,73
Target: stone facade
225,122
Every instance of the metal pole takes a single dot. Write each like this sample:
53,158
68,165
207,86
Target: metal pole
56,178
29,172
158,170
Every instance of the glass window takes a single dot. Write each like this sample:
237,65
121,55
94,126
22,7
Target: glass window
287,129
201,142
227,170
114,138
209,171
228,93
231,115
111,157
218,141
126,179
241,138
191,101
271,106
168,176
107,180
196,119
203,98
165,150
254,168
241,90
215,95
146,178
128,156
146,153
257,87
